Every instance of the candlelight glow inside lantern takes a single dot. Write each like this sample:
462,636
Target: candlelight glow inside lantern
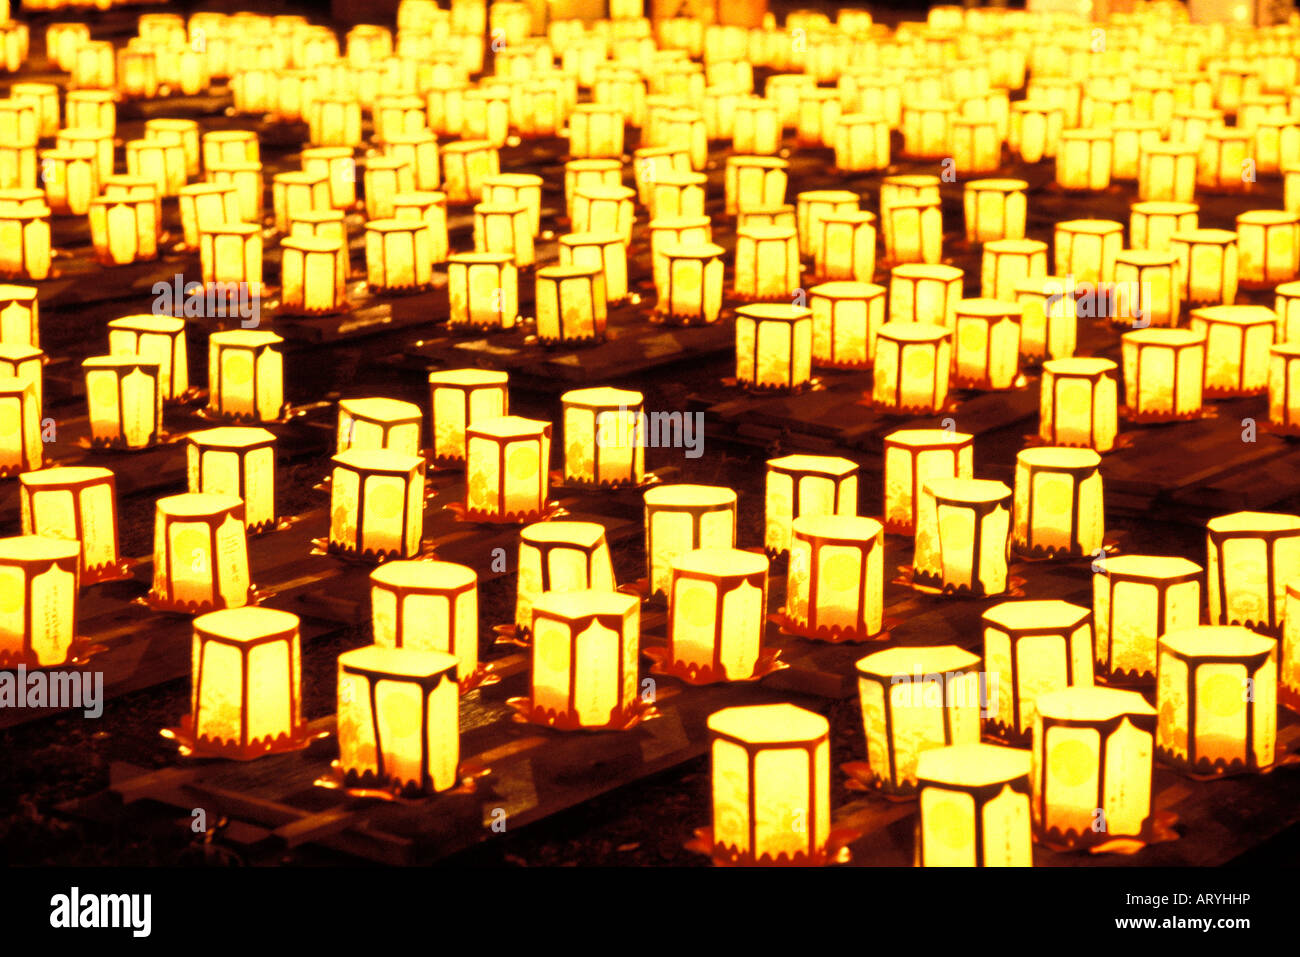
836,581
379,423
771,786
1008,262
1058,502
245,375
962,532
571,304
313,275
458,398
773,346
200,554
124,399
427,606
1237,340
1151,224
1086,249
483,290
806,485
399,256
912,367
1253,556
767,262
1284,388
21,449
398,722
604,441
39,579
754,182
681,519
19,315
846,316
465,165
376,504
717,602
236,461
691,288
924,293
507,462
1136,599
1216,693
975,807
1268,246
1163,374
914,700
1207,265
605,251
1084,160
1079,403
914,456
986,353
230,256
995,209
25,241
75,503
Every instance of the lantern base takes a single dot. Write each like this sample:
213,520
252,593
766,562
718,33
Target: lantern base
559,479
367,785
1156,829
895,527
80,651
119,445
192,745
660,318
1286,430
156,602
1219,392
835,634
394,291
474,328
218,415
930,583
843,365
1206,770
836,851
664,664
1129,414
621,719
107,572
441,463
1123,678
984,384
464,513
292,311
909,411
1005,734
9,471
860,778
109,262
1050,552
762,388
367,556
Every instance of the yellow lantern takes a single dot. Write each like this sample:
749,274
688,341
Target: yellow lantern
913,231
603,209
419,151
1086,249
313,275
812,205
1093,750
560,556
1164,373
384,177
1135,600
1253,556
926,128
1152,224
428,207
19,315
333,120
483,290
603,251
93,66
1036,128
756,127
200,554
571,304
691,287
137,73
987,342
245,375
846,316
465,165
1084,159
427,606
62,41
845,247
229,146
1286,304
69,178
79,504
811,485
782,215
205,205
516,189
1236,348
124,399
507,462
861,142
771,786
1216,693
161,161
717,603
386,694
1048,317
596,131
1058,502
124,230
754,182
335,163
1032,648
975,807
1130,136
236,461
160,339
296,191
1223,160
1268,247
603,437
681,519
458,398
914,700
376,505
962,530
925,293
1079,403
1284,389
914,456
767,262
399,256
912,366
246,176
1146,288
177,131
976,144
230,254
995,209
1167,172
836,583
582,173
1006,262
1289,678
773,346
379,423
39,580
25,241
21,449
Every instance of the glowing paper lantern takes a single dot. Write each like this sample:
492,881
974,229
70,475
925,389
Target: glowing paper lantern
25,241
995,209
459,398
845,247
926,129
1058,502
914,456
975,807
399,256
912,365
604,251
603,209
124,231
19,315
811,485
295,191
1207,265
717,600
1035,129
177,131
604,444
561,556
1136,599
1268,246
231,254
465,165
75,503
21,449
861,142
205,205
1078,407
335,163
924,293
962,529
69,178
913,231
571,304
124,399
914,700
379,423
161,161
230,146
691,291
1236,348
1223,159
767,262
835,590
1086,249
1146,288
681,519
313,275
200,554
428,207
515,189
504,228
846,316
1084,160
812,205
39,579
1284,389
987,343
1216,693
1164,373
1048,317
236,461
483,290
376,504
1252,558
384,177
245,375
1289,677
246,176
506,469
1006,262
1286,304
384,695
1167,172
427,606
580,174
773,346
1151,224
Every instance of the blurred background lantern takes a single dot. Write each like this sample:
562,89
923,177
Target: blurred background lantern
93,66
384,177
384,695
1253,556
1058,502
1163,374
399,256
227,146
1036,128
717,605
674,231
75,503
124,401
584,173
845,316
911,458
681,518
604,439
559,556
975,143
1166,172
962,529
914,700
771,786
647,163
913,231
1146,290
691,291
200,554
1031,648
507,461
161,161
1289,674
1216,693
756,127
21,449
246,685
995,209
18,361
338,166
586,652
603,251
1129,138
926,129
845,247
1048,317
596,131
1006,262
483,290
798,485
418,149
379,423
1207,265
517,189
571,304
1079,403
1093,752
1086,249
245,375
428,606
1284,388
836,580
124,230
246,177
177,131
39,579
1268,246
1286,304
1135,600
19,315
313,275
811,205
295,191
603,209
465,164
1237,340
230,255
25,241
861,142
376,504
238,461
773,346
504,228
975,807
1084,160
69,178
754,182
430,208
1222,158
912,366
1151,224
767,263
924,293
458,398
205,205
986,353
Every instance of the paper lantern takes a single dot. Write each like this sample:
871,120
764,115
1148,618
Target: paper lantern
19,315
427,207
93,66
846,316
1058,502
62,41
246,176
755,127
384,695
1286,304
580,174
200,554
571,304
230,146
487,115
339,169
384,177
962,529
1152,224
647,163
1093,750
376,504
313,275
1268,246
504,228
427,606
1136,599
1129,138
975,807
1163,374
1006,262
603,251
912,367
514,189
684,518
926,129
987,343
771,786
767,262
835,590
177,131
21,448
137,73
245,375
773,346
691,290
79,504
845,247
379,423
1036,128
811,485
124,399
231,254
25,242
604,441
1086,249
1289,676
205,205
1032,648
296,191
18,168
914,700
69,178
603,209
911,458
465,164
162,161
1078,404
459,398
399,256
1284,389
819,112
419,151
157,338
924,293
995,209
754,182
560,556
717,600
236,461
507,461
1252,558
1223,160
483,290
976,144
1048,317
782,215
124,231
1216,693
595,131
39,576
1146,289
812,205
913,231
861,142
1083,159
1236,348
1275,137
